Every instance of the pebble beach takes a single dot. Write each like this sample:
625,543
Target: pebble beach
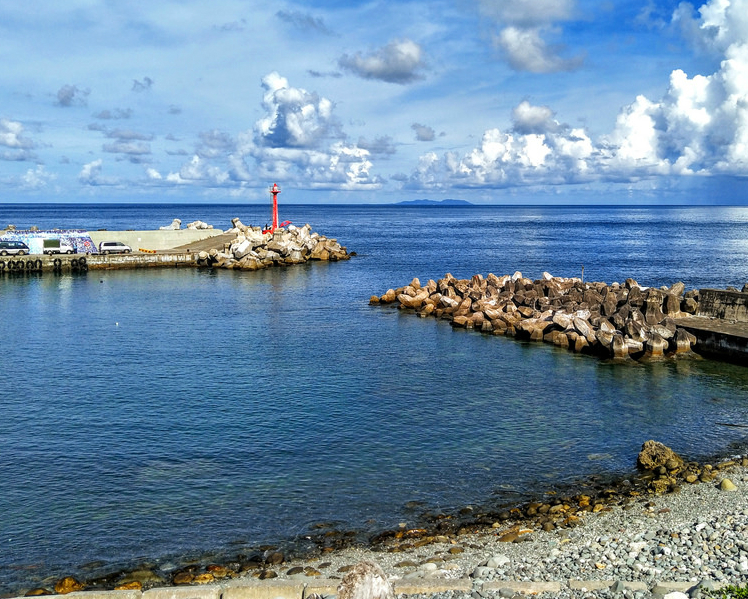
680,542
637,543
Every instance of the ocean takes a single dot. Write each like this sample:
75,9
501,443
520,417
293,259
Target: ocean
156,416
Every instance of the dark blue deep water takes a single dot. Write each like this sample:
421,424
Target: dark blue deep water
149,415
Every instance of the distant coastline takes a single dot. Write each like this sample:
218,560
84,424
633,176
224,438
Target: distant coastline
434,203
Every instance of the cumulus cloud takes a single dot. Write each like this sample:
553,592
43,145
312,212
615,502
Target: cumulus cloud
199,170
71,95
423,132
295,117
400,61
299,138
11,135
37,178
523,26
699,127
91,174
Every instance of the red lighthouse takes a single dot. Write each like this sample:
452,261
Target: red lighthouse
275,190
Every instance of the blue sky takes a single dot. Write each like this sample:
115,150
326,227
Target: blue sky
493,101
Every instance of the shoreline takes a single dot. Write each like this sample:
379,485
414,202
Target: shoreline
474,550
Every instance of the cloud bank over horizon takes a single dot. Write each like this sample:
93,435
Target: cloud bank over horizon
401,116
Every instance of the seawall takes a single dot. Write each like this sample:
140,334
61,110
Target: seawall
720,325
155,240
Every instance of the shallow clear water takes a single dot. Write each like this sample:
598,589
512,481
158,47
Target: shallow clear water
149,414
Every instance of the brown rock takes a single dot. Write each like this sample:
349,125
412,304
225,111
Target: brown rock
68,585
654,455
37,592
183,577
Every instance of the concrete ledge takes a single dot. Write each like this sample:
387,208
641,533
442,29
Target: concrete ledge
441,585
251,588
591,585
526,588
208,591
272,589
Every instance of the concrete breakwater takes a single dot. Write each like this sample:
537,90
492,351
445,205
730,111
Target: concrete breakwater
253,250
618,321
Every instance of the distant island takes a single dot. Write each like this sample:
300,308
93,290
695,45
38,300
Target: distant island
434,203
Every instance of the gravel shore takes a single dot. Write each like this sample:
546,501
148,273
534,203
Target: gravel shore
652,546
635,544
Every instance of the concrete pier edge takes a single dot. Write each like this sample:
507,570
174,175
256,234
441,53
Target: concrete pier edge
293,589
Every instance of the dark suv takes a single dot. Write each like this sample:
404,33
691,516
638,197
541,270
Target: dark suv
13,247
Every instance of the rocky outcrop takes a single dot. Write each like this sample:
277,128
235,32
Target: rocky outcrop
175,225
253,250
198,224
617,321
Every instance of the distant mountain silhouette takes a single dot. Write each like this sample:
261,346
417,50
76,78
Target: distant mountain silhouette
434,203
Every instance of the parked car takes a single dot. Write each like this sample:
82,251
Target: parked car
114,247
18,248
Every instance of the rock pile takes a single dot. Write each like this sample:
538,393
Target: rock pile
664,470
252,249
617,321
198,224
175,225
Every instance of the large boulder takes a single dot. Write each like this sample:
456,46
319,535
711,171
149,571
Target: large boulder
366,580
175,225
654,455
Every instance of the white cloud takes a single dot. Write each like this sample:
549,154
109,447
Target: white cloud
400,61
523,27
698,127
300,139
36,178
296,117
12,137
91,174
527,51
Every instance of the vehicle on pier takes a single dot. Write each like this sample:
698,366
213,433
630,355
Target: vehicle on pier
57,246
114,247
10,248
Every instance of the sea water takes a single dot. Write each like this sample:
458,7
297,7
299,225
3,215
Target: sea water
151,415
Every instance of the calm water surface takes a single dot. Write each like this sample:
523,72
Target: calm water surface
152,415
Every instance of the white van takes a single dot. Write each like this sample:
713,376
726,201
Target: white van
114,247
57,246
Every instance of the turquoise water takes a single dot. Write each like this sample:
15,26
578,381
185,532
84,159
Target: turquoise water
158,414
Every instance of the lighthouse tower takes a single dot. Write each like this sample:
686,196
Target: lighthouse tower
275,190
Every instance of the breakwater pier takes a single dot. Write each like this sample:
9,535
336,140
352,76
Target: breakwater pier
616,321
241,247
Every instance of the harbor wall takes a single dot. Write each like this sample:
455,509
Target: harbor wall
156,239
727,305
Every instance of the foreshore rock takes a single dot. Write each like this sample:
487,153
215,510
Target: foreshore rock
602,534
253,250
616,321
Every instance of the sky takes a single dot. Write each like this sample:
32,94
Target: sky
350,101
